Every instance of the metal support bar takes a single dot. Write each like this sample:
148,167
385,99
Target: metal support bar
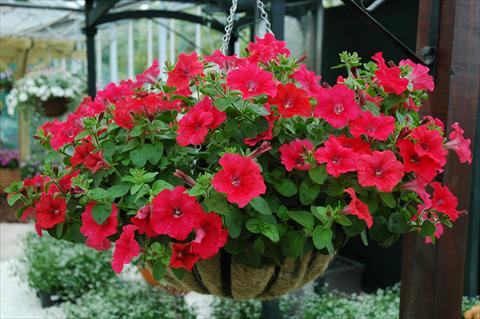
98,11
368,18
90,35
277,14
137,14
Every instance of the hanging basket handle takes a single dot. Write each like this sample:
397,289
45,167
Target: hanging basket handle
231,17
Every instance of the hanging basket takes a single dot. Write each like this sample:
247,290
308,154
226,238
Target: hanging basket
55,106
8,176
165,285
222,276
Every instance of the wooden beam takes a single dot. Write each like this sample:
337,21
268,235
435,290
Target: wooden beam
433,275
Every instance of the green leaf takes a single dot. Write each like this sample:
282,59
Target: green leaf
318,174
118,190
139,156
254,225
428,228
270,231
12,199
322,238
217,203
160,185
342,220
158,270
234,222
147,152
100,212
261,206
259,245
335,189
155,152
98,194
304,218
21,210
292,244
258,109
308,192
285,187
388,199
363,235
320,213
398,224
137,131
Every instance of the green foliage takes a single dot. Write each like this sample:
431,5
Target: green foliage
63,268
132,300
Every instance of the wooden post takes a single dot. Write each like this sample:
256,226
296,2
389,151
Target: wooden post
433,275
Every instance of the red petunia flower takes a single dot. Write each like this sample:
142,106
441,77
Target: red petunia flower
459,144
444,201
251,81
63,133
268,134
358,145
90,108
206,106
378,127
266,49
291,101
418,186
122,115
358,208
293,155
429,143
419,76
113,92
336,105
183,256
85,154
187,68
423,166
142,221
50,211
381,169
175,213
339,159
126,247
193,128
97,233
433,123
239,178
225,62
210,236
308,79
150,75
438,233
389,77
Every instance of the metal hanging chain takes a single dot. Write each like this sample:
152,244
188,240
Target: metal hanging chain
228,27
264,16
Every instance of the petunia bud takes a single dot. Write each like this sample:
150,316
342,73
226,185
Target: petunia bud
263,148
187,179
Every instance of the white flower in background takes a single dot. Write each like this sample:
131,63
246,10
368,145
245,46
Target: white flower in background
22,97
43,86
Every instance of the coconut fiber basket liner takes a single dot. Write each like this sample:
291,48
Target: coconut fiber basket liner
224,277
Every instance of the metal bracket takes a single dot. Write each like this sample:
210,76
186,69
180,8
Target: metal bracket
428,52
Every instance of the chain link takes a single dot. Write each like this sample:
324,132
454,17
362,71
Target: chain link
231,17
228,27
264,16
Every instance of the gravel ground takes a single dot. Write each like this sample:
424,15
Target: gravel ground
17,299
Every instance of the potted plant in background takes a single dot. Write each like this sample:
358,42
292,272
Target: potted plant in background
241,177
48,92
9,163
6,79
